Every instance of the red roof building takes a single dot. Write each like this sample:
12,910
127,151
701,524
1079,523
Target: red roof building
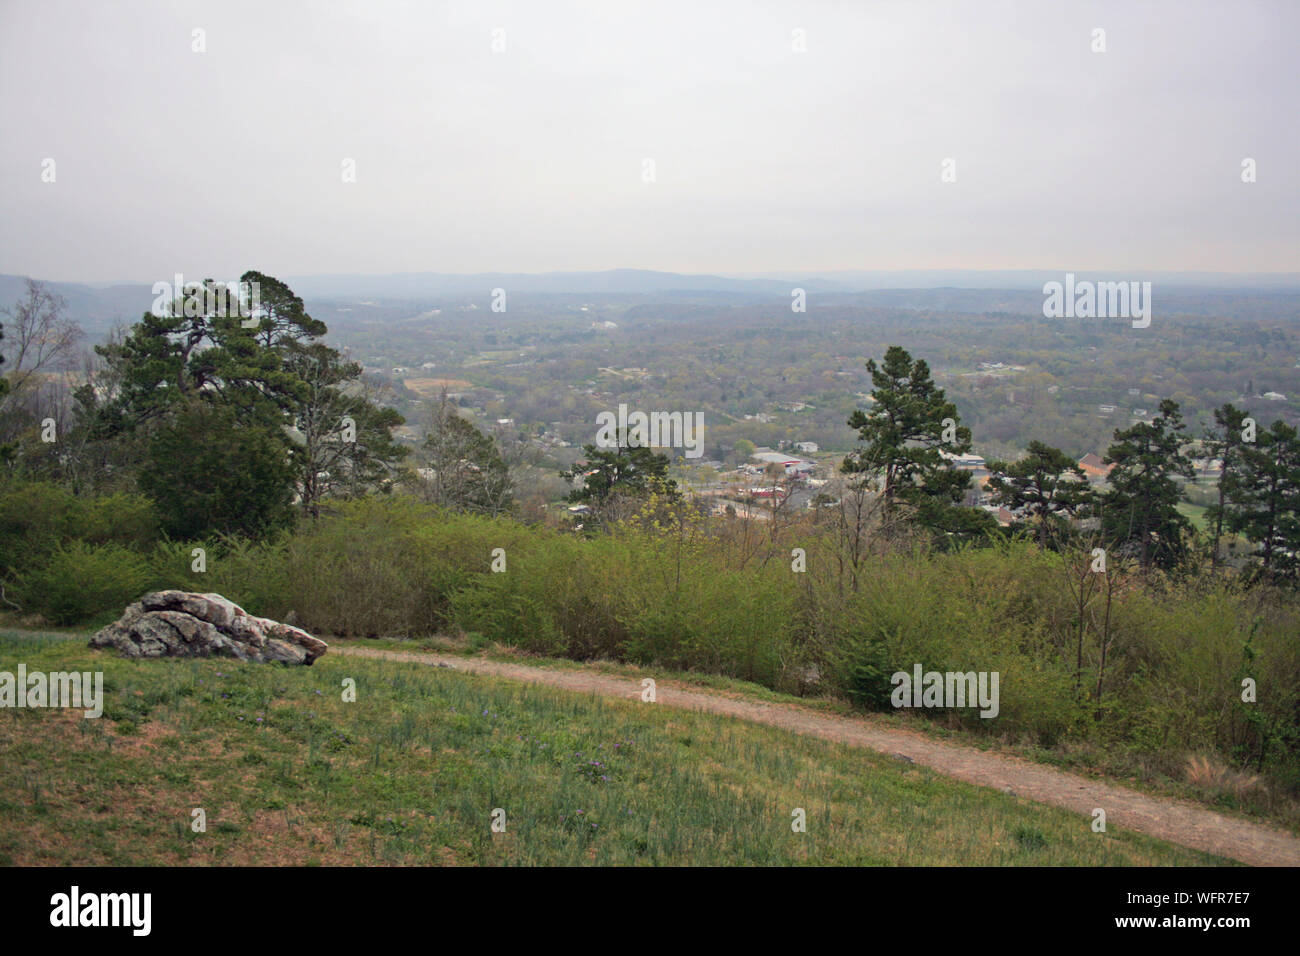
1093,467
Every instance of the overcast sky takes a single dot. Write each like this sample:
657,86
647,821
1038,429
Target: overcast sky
533,158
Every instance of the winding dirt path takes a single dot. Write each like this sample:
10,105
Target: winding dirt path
1167,819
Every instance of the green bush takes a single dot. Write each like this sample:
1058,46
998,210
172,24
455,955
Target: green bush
38,518
251,573
690,598
557,587
964,611
35,518
207,473
374,567
82,581
501,613
170,564
455,550
120,518
352,574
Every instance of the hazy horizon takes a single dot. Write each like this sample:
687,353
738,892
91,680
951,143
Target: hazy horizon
849,280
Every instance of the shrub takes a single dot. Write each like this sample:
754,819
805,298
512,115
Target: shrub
723,599
120,518
565,587
35,518
80,581
501,613
207,473
963,611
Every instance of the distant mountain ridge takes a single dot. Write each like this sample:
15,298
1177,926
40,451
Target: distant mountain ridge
99,306
613,281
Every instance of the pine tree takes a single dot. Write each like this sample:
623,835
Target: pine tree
909,423
257,358
1141,508
1045,483
1224,442
1263,495
209,473
627,469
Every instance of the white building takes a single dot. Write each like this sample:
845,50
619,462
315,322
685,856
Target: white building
966,462
792,466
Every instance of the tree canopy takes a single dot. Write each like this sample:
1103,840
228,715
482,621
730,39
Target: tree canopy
904,436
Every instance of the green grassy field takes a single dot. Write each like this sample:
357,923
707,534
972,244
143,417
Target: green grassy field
1195,514
288,773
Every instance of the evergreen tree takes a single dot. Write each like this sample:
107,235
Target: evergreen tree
909,423
255,356
1046,483
1224,442
200,347
281,316
625,469
209,473
1141,508
1263,495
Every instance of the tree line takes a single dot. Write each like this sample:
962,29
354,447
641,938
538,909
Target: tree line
911,427
237,421
232,417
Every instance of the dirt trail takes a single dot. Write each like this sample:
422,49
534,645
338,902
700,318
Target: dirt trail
1161,817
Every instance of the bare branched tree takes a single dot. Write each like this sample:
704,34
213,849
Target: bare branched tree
464,470
39,338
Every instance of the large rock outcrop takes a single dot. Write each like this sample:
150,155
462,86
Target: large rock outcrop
186,624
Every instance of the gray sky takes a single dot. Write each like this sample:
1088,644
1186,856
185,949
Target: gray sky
531,159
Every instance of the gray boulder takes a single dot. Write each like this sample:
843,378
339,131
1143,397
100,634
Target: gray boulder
188,624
